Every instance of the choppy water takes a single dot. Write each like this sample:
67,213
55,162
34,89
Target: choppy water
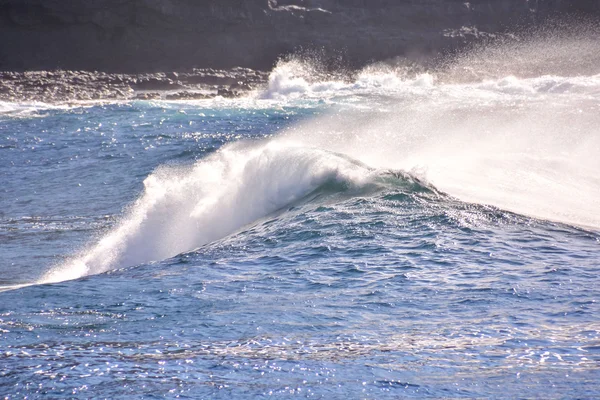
390,235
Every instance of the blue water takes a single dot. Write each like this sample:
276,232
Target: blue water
171,249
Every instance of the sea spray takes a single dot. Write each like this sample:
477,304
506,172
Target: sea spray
513,122
501,143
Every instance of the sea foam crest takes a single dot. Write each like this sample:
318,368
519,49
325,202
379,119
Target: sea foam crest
302,78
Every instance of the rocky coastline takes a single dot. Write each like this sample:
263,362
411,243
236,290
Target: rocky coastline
64,86
222,48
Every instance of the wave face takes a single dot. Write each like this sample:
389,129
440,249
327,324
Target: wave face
526,141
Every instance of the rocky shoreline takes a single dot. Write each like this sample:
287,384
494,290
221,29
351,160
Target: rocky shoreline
222,48
64,86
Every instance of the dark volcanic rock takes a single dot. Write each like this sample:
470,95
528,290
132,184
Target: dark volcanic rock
156,83
147,96
61,86
166,35
186,96
226,93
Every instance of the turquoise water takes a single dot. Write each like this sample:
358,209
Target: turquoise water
380,238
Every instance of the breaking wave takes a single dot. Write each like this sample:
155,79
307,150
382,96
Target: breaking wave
184,208
522,135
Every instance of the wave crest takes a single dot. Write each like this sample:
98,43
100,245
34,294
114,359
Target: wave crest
183,208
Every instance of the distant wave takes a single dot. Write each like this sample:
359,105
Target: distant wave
557,57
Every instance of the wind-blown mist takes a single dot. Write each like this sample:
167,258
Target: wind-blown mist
502,143
514,125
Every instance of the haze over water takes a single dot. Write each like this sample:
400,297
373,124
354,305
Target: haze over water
395,232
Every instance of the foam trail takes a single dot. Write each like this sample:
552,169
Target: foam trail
183,208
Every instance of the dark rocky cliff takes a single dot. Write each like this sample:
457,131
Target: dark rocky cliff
154,35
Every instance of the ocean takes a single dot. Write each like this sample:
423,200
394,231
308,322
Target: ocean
394,233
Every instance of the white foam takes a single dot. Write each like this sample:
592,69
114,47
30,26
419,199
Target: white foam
291,81
295,79
29,109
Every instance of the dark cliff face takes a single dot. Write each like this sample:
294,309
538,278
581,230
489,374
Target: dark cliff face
153,35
